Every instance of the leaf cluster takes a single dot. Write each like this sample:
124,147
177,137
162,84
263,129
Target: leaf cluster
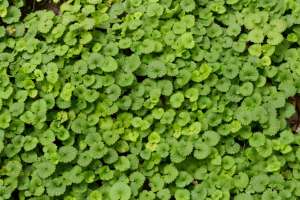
149,99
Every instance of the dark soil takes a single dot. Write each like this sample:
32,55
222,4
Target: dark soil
294,121
33,5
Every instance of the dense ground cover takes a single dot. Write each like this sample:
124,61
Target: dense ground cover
149,99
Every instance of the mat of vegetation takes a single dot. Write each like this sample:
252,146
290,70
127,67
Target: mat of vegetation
149,100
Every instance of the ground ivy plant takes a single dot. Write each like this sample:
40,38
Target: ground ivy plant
149,99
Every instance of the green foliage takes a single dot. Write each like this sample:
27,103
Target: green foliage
156,99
